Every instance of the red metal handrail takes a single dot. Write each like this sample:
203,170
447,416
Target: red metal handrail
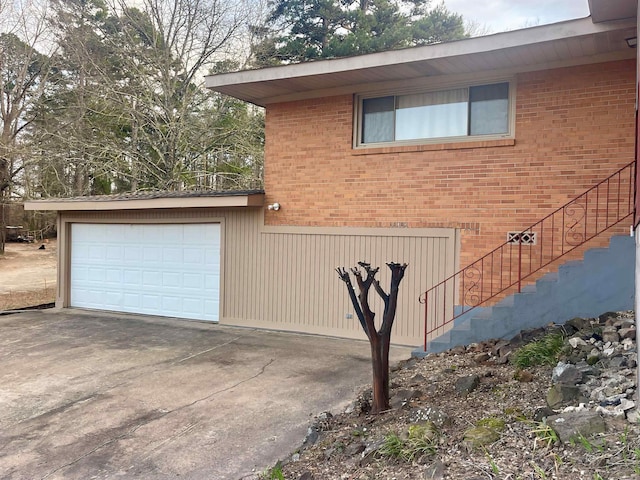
575,223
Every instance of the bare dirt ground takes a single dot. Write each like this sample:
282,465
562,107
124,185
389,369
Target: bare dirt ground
27,275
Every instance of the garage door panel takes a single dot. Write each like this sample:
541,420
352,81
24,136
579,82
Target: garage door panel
170,270
114,253
152,254
151,302
212,282
172,255
132,277
172,304
193,255
130,299
114,276
132,253
192,280
151,279
113,299
171,280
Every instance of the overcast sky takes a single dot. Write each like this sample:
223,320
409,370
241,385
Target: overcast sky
501,15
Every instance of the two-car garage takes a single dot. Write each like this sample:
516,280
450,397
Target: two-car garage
152,253
209,256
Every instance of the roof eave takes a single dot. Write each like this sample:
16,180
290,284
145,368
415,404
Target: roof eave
246,84
222,201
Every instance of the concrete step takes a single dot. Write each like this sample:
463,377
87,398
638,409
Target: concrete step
602,281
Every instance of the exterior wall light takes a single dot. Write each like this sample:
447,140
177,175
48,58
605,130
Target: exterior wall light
274,206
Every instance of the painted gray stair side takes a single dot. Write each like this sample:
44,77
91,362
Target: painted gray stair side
602,281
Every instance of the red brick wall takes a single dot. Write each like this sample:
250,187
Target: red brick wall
574,127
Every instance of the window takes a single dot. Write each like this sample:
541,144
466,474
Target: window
457,112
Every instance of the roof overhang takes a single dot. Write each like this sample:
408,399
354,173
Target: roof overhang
608,10
141,202
572,42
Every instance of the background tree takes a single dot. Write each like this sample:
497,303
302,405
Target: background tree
24,73
303,30
380,340
129,110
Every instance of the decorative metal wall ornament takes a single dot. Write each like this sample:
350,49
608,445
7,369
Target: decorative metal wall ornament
574,215
472,281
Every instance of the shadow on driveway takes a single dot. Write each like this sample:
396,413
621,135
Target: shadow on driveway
96,395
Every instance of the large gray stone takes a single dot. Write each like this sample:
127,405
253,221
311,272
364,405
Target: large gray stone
610,334
572,425
561,395
466,385
566,373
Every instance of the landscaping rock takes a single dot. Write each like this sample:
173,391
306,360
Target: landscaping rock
628,333
571,425
479,437
610,334
567,374
580,323
466,385
355,449
561,395
435,471
437,417
481,357
402,397
417,379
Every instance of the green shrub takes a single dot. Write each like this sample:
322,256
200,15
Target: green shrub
421,439
545,351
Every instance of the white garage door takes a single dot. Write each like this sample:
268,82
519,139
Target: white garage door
170,270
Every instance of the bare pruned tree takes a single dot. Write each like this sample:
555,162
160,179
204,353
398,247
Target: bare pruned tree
379,339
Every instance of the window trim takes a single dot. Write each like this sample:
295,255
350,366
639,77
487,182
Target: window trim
358,114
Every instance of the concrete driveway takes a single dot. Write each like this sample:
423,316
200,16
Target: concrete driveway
93,395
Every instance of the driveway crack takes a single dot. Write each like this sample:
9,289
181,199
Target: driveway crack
162,414
208,350
226,389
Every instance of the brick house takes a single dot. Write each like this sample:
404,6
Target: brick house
432,155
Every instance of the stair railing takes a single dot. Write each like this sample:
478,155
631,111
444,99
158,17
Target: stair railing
530,250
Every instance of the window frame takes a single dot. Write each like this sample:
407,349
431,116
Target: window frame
359,112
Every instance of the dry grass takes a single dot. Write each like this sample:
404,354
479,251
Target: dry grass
16,300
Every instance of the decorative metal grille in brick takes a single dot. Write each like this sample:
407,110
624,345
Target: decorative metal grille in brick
525,238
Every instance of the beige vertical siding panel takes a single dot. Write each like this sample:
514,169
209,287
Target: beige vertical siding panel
324,254
317,305
311,278
297,273
329,250
271,289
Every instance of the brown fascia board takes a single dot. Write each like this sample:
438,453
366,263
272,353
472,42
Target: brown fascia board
246,84
93,204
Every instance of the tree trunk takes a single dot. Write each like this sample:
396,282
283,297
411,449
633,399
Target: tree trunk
380,364
3,224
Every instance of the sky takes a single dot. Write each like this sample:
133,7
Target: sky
495,16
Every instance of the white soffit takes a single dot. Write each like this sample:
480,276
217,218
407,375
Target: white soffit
572,42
